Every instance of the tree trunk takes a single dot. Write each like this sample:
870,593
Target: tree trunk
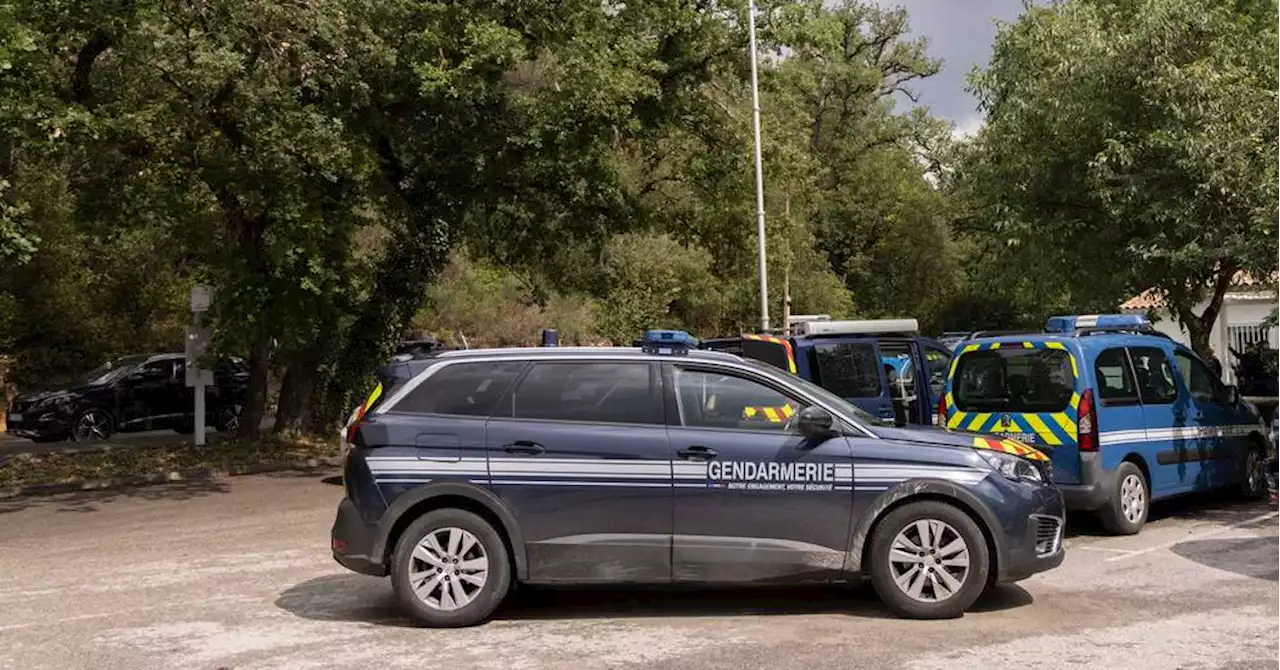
1199,327
296,391
255,407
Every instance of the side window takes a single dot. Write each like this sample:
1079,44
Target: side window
160,370
1116,385
716,400
1203,384
466,389
594,392
938,363
848,370
1154,376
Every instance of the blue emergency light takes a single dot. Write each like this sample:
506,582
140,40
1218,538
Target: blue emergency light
1068,324
667,342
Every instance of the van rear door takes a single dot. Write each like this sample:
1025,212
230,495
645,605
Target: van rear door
1029,391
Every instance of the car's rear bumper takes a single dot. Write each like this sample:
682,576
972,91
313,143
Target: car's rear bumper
351,541
1095,488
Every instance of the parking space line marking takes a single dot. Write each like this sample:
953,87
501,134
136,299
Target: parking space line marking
1107,549
1197,536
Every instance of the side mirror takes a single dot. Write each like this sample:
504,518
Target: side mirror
815,423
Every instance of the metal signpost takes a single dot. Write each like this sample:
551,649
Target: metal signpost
755,122
197,344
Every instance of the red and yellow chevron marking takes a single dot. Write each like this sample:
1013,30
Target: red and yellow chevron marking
770,414
1009,447
373,397
786,346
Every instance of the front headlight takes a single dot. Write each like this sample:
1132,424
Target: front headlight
54,401
1012,467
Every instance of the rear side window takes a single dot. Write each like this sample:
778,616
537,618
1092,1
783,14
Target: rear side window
1154,375
1116,385
591,392
1014,380
1201,382
848,370
464,389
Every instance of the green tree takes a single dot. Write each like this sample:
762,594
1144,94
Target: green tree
1131,145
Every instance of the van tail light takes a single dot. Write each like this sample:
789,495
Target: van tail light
1087,423
942,411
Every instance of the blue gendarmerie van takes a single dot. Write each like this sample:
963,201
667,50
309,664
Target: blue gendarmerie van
1126,414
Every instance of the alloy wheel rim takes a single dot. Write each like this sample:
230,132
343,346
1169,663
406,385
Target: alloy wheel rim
448,569
1254,472
231,420
1133,498
929,561
92,424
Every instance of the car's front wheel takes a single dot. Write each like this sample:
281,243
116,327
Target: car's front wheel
929,560
92,424
1254,483
451,569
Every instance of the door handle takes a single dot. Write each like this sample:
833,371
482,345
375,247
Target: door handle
524,447
697,453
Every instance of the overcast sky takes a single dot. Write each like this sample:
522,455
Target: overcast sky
960,33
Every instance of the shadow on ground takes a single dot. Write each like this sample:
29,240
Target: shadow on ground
1255,557
356,598
91,501
1219,507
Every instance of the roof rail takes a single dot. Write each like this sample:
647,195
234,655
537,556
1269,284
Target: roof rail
1001,333
1130,330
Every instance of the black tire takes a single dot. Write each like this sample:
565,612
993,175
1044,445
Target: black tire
1253,484
103,421
1114,517
227,419
483,601
884,571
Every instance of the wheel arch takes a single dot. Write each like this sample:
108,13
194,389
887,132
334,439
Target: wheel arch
440,495
1137,459
919,491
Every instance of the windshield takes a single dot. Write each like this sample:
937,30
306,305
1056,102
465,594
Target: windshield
108,372
1014,380
842,405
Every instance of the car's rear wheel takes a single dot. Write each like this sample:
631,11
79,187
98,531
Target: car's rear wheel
92,424
227,419
1126,511
451,569
929,560
1254,483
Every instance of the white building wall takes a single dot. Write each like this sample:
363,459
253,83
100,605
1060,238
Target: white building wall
1238,309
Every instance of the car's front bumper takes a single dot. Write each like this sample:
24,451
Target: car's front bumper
44,425
1033,541
351,541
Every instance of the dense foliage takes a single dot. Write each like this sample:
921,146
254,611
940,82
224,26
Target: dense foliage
343,170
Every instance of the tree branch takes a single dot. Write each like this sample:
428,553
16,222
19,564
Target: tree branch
81,87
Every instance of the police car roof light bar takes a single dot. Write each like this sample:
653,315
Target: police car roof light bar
1074,323
868,327
668,342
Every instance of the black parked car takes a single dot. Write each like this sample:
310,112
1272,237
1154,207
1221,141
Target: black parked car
134,393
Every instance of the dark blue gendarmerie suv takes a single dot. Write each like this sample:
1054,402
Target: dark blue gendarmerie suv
472,471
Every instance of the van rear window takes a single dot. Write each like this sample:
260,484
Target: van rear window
1013,380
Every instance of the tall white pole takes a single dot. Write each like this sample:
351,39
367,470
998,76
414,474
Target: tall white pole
755,121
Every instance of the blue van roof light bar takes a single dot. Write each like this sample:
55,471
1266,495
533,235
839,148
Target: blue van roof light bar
1074,323
667,342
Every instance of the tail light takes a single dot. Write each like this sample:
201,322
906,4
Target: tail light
1087,423
942,411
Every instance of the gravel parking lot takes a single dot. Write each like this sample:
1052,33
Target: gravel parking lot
237,574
